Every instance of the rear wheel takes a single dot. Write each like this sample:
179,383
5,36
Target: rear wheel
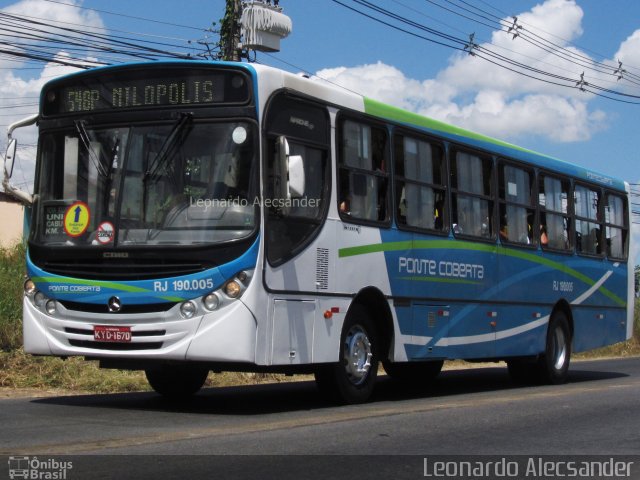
353,378
176,381
553,366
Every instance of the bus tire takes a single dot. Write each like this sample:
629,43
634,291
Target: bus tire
414,373
177,382
353,378
553,366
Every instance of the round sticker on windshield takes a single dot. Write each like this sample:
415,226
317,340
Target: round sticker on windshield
239,135
106,233
76,219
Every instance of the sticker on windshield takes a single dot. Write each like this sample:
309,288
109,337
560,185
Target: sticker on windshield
239,135
76,219
106,233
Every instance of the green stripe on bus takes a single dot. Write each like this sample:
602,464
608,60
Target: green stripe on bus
476,247
73,281
379,109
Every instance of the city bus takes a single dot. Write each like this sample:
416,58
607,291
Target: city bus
200,216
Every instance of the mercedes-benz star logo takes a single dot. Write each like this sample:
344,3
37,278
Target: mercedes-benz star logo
114,304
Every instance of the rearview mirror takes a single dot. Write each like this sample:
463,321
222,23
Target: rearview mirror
290,176
9,158
296,176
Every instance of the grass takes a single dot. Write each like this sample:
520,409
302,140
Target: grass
22,371
19,370
12,271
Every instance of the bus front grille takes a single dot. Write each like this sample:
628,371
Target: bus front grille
115,346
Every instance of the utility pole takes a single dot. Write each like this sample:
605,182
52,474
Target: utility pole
230,32
256,25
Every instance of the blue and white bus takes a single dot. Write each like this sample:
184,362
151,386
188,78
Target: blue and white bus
197,216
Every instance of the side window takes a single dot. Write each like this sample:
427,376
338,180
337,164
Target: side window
588,228
363,174
472,204
555,223
297,139
615,226
517,212
420,190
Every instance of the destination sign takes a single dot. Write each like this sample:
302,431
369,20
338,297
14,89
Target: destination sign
147,89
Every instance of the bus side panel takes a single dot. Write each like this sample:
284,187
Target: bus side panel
594,329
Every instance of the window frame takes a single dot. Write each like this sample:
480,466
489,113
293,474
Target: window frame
399,134
270,134
341,118
599,220
501,163
568,214
624,227
454,192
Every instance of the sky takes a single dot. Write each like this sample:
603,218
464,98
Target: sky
348,49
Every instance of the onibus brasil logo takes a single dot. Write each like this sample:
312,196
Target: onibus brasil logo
36,469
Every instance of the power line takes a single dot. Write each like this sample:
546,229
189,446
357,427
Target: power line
126,16
566,41
551,47
28,38
489,55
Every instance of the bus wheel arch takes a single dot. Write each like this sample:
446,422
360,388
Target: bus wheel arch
377,307
552,365
363,343
564,306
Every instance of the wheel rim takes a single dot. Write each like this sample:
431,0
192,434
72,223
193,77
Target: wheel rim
357,355
559,349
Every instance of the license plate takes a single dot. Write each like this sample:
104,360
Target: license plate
107,333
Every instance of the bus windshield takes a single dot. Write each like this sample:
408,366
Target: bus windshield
181,183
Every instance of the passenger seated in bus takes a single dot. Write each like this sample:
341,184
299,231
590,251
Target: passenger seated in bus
504,232
344,207
544,239
437,215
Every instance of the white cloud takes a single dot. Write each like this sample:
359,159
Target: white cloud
475,94
17,83
629,54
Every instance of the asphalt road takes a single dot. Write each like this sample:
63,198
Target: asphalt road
253,431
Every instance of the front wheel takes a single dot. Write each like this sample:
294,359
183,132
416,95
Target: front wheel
353,378
176,382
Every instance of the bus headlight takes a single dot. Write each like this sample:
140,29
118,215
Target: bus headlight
29,287
211,301
233,289
229,292
188,309
39,299
50,307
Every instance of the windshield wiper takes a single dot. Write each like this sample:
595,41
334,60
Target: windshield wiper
173,140
86,141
